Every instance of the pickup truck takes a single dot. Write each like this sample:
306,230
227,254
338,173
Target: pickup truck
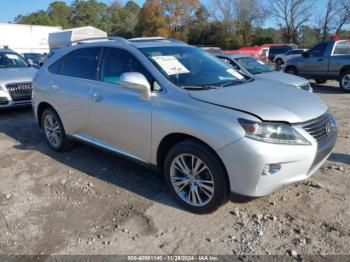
326,61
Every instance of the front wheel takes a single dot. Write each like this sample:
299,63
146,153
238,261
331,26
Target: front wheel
196,177
344,81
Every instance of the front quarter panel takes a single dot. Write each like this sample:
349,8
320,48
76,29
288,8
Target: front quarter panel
214,125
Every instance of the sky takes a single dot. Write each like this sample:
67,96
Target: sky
11,8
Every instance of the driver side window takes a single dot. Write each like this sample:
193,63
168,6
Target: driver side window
318,50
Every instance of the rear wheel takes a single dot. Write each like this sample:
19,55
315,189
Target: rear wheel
196,177
291,70
344,81
53,130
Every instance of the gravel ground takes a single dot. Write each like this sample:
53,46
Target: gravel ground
88,201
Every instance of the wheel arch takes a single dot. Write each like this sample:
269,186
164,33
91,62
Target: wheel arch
40,110
174,138
344,69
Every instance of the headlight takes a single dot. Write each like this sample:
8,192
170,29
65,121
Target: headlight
277,133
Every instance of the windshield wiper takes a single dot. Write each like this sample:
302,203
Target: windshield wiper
204,87
232,83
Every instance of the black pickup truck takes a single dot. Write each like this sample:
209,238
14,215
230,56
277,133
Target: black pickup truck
326,61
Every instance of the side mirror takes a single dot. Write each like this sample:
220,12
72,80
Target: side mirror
137,81
30,62
306,54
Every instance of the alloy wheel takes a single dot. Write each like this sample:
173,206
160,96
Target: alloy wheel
52,130
192,179
346,82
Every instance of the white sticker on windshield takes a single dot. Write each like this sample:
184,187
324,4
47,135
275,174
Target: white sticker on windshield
11,56
170,65
235,73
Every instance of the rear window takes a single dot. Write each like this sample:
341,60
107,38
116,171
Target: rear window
342,48
82,63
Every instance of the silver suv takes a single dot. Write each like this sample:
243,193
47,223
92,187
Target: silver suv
16,80
173,106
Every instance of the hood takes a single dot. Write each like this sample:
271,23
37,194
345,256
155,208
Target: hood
283,78
20,74
269,100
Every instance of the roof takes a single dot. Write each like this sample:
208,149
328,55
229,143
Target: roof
6,50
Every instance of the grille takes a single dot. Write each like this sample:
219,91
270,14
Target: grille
318,127
20,91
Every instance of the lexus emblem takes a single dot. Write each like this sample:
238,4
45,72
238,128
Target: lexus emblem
329,128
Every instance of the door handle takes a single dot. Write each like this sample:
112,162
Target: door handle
97,97
320,60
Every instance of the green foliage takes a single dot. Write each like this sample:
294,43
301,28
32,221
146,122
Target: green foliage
188,20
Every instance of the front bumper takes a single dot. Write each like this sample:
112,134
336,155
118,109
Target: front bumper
245,160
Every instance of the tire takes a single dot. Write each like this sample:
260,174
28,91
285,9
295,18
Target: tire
279,61
320,81
211,195
52,124
291,70
344,81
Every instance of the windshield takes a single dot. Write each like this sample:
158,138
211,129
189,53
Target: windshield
253,65
36,57
190,66
8,60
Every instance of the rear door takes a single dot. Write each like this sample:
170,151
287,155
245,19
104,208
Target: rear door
71,81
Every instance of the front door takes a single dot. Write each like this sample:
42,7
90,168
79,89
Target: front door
316,64
119,118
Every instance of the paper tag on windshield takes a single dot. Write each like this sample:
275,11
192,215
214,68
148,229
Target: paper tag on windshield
235,73
170,65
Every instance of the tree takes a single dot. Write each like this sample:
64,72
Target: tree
291,14
248,13
178,15
151,21
36,18
199,28
343,14
59,14
327,18
90,12
124,19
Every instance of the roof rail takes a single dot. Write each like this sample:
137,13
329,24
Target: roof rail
153,38
110,38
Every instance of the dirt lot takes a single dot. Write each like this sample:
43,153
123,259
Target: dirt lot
88,201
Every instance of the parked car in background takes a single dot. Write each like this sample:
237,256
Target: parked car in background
278,49
34,57
211,49
280,59
171,105
326,61
255,68
16,80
